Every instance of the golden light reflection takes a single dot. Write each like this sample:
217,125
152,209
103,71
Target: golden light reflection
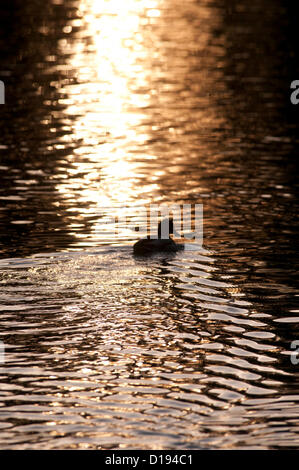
106,102
137,108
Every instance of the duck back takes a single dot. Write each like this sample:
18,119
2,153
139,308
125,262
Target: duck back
149,246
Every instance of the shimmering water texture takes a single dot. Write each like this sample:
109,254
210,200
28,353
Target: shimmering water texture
133,103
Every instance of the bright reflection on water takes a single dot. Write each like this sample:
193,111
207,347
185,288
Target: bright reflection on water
130,103
108,103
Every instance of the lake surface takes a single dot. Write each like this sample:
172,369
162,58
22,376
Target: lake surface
115,104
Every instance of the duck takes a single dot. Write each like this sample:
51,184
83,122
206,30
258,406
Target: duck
148,245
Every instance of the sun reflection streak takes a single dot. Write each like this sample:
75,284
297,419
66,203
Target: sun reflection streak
107,102
135,125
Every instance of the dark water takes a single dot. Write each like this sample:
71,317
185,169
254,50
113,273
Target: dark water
112,103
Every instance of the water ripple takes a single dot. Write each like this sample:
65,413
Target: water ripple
119,105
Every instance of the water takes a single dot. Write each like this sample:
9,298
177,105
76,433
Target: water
112,104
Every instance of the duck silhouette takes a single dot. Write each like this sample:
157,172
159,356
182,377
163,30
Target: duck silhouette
148,245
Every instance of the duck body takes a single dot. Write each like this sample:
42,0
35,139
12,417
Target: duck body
148,245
